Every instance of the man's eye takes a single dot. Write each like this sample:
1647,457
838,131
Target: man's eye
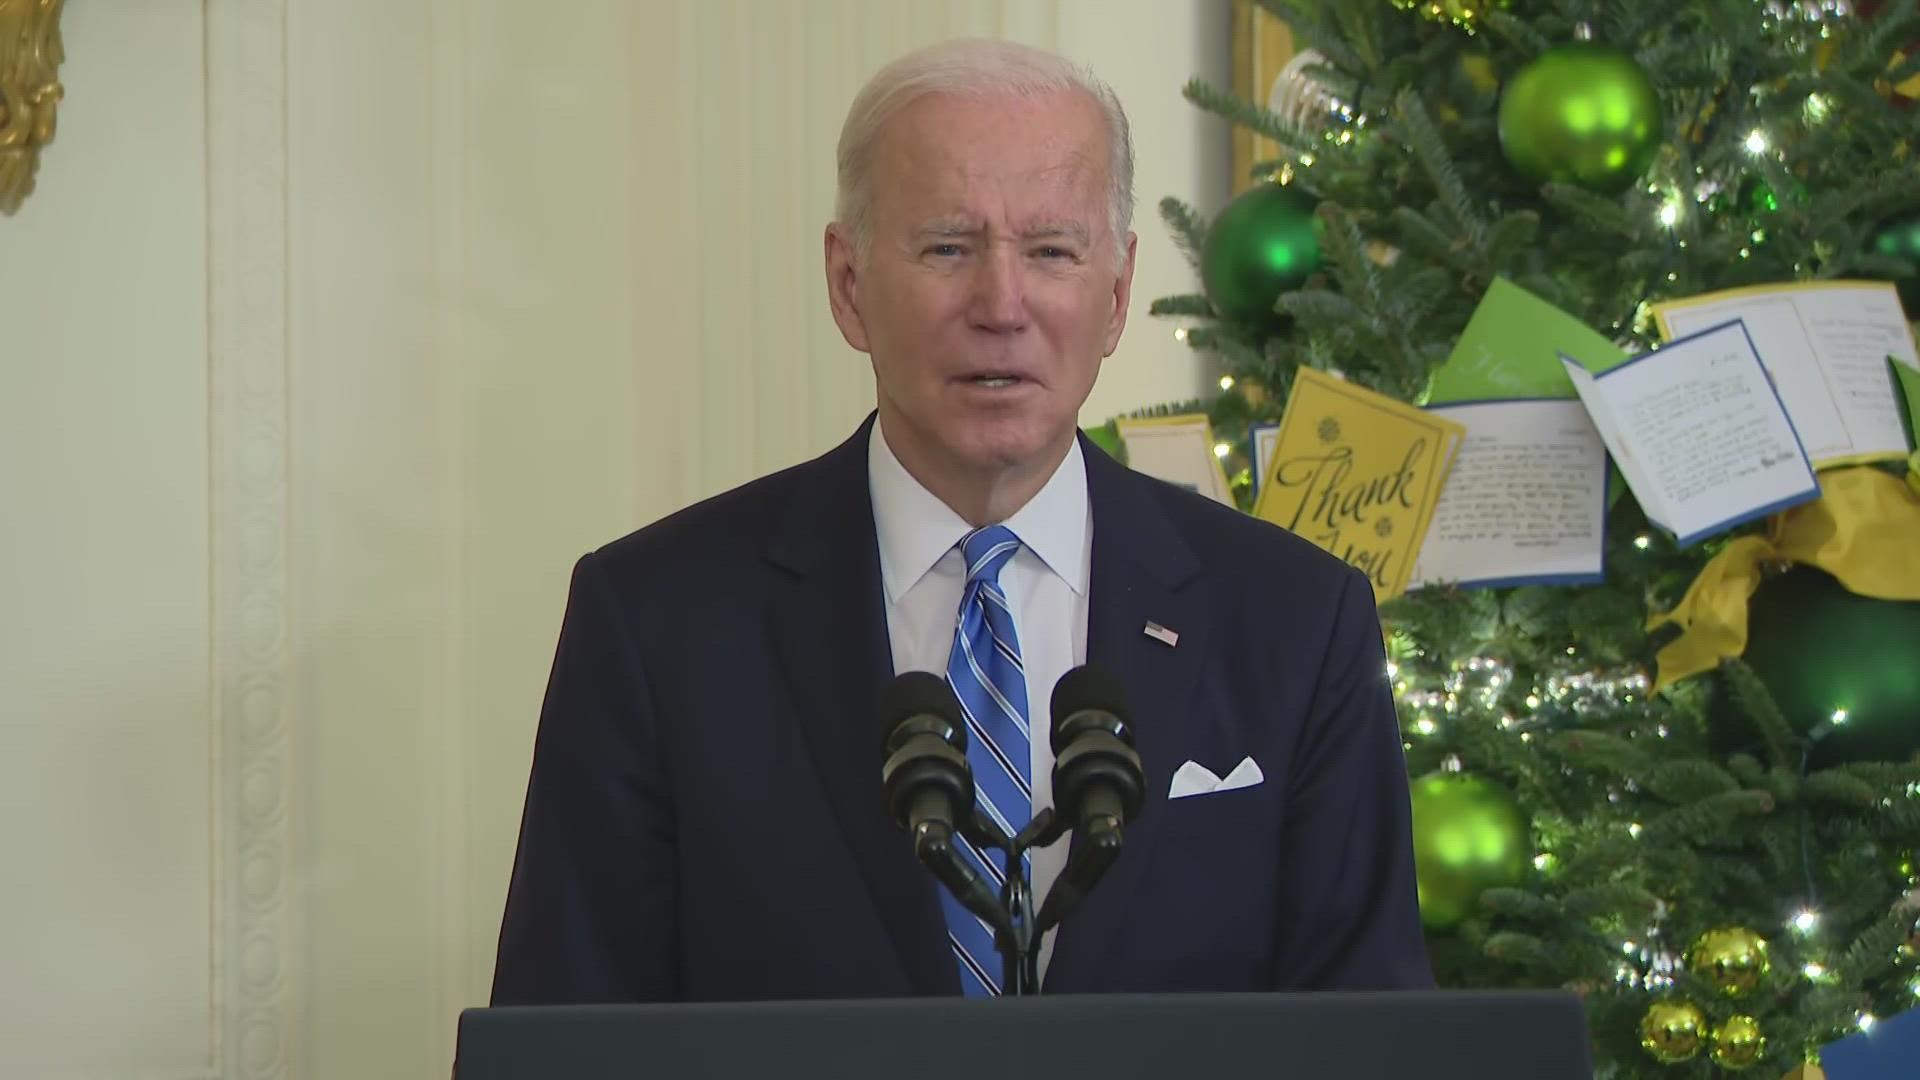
944,251
1052,252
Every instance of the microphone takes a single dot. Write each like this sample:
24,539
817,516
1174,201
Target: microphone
929,785
1098,784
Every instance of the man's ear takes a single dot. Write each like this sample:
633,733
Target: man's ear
1122,293
843,285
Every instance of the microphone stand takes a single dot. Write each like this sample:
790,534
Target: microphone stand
1018,939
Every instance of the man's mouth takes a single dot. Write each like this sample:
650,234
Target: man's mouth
993,380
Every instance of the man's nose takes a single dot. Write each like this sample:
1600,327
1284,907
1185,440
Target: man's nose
999,292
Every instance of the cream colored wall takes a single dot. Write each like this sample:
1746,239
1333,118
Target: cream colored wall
335,332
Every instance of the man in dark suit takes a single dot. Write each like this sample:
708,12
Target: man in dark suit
705,819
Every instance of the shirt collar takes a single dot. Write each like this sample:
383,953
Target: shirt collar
915,528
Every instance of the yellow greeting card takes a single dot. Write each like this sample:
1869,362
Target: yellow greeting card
1358,473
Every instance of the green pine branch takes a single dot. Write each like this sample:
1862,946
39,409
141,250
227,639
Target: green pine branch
1840,789
1710,816
1431,150
1311,30
1757,703
1688,781
1192,305
1871,955
1189,229
1516,31
1256,118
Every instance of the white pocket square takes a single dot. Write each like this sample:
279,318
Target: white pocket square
1194,778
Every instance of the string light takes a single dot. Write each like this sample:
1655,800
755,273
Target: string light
1180,333
1806,921
1226,382
1756,142
1867,1021
1814,971
1221,450
1643,542
1839,716
1634,830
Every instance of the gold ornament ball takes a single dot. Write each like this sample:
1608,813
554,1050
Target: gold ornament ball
1672,1031
1738,1043
1732,958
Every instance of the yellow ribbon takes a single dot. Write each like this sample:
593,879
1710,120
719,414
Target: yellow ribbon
1864,530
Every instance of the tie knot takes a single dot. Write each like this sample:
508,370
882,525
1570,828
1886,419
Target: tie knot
987,550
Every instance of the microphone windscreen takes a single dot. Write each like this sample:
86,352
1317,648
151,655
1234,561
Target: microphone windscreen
1088,688
917,693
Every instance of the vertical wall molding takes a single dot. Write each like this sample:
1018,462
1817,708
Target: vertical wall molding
458,974
255,980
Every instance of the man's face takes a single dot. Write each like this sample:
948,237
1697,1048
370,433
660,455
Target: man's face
991,291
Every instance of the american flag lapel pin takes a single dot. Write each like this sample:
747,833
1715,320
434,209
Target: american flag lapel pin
1162,635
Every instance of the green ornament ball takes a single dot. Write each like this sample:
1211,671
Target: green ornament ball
1469,835
1901,238
1264,243
1759,198
1821,650
1581,113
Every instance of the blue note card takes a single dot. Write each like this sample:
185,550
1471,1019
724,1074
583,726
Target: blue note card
1890,1050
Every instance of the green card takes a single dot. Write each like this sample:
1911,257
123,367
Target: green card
1511,349
1908,380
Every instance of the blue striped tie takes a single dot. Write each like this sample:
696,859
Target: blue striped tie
991,683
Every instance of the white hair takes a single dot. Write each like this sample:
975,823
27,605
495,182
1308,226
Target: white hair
976,68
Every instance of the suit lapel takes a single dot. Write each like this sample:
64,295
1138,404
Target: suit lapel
1143,572
828,623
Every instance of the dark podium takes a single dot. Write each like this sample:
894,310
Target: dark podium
1428,1035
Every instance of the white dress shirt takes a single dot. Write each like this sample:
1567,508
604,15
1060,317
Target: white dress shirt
923,574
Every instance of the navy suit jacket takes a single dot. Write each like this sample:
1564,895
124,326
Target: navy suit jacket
704,819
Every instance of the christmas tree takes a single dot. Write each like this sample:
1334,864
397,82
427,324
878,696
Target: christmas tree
1717,852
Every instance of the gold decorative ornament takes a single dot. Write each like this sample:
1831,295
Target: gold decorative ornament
1733,959
30,92
1673,1031
1737,1043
